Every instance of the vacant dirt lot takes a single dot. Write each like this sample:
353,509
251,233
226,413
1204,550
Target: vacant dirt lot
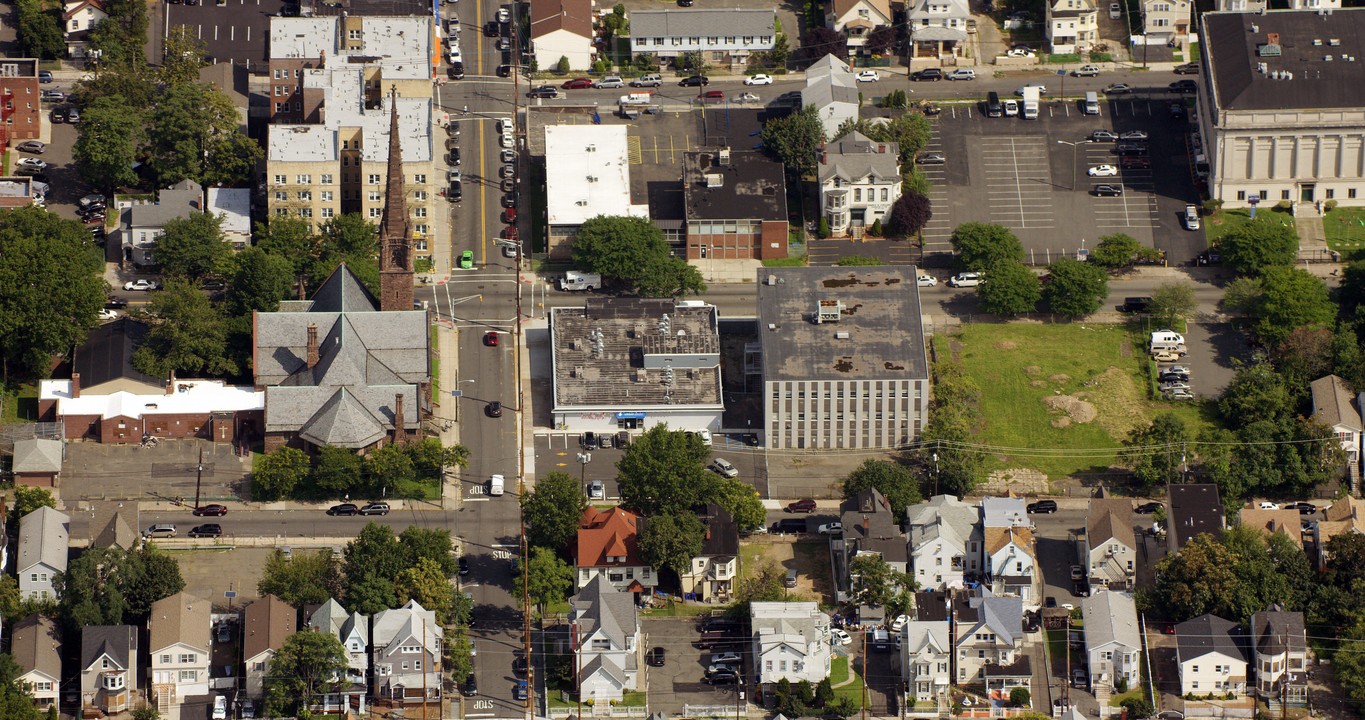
810,559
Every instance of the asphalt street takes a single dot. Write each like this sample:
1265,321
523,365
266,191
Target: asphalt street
284,523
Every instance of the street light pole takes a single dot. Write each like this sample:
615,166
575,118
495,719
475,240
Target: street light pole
1074,145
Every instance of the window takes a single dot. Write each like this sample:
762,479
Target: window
375,196
416,664
1351,193
258,666
326,195
327,179
353,34
1241,195
410,649
305,194
885,194
420,244
420,212
304,179
405,665
279,179
188,676
420,179
1331,193
327,212
1284,194
375,212
857,194
281,195
188,658
374,179
281,107
1194,668
306,212
420,196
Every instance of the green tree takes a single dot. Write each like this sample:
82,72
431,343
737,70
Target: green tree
1011,289
664,471
1291,298
290,238
426,583
1256,391
909,214
1346,559
820,40
183,56
1019,697
433,544
49,270
193,134
307,665
187,335
1199,579
1242,295
779,54
1157,451
16,703
765,583
277,474
192,247
1304,355
562,67
459,654
880,40
39,28
895,482
549,579
1138,708
982,246
107,143
1119,251
148,575
11,603
1349,663
615,22
671,540
121,37
303,578
1172,303
632,253
910,132
1077,288
741,500
795,140
146,712
335,471
373,561
875,583
231,159
551,511
430,458
1259,245
954,415
258,282
389,466
27,499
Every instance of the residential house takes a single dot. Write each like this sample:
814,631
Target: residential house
44,536
1165,21
1073,26
269,622
609,545
860,179
945,542
112,525
109,671
22,107
607,640
870,528
989,631
724,36
406,655
34,645
353,630
1287,521
1243,6
927,651
1193,509
562,29
1004,512
232,206
142,223
1346,515
1212,657
1010,561
938,28
1110,545
711,576
79,17
1333,406
735,205
791,642
832,89
858,18
110,401
1113,644
37,462
1280,646
179,639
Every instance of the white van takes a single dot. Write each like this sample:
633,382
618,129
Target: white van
1167,340
1092,103
496,485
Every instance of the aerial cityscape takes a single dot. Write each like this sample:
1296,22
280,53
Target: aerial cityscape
703,359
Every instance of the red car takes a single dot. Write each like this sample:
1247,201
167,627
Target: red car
577,84
490,339
509,216
1131,161
804,505
214,510
509,232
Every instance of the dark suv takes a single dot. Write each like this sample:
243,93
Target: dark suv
934,74
695,81
1135,304
1046,507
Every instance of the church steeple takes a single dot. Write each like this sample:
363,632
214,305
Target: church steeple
395,230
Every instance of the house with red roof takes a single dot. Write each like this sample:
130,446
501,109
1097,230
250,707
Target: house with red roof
609,546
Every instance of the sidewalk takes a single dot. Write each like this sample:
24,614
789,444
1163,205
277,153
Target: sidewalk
444,410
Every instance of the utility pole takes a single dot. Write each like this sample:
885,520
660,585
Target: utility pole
198,477
864,675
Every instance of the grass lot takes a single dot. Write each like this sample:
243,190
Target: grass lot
1116,700
1345,229
1225,221
786,262
840,672
633,699
20,403
1100,370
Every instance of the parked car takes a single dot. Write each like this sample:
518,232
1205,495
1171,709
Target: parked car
1191,68
1147,508
961,74
1086,71
159,530
1077,572
544,91
1177,395
1191,217
577,84
344,509
1184,86
597,490
840,636
1103,171
926,281
519,691
141,285
1136,304
32,146
724,468
1103,136
470,687
759,80
464,565
1118,89
1134,135
726,658
1106,190
107,314
833,528
209,530
870,76
375,508
695,81
930,158
211,510
503,15
30,162
965,279
1135,162
656,657
1045,507
219,708
804,505
927,74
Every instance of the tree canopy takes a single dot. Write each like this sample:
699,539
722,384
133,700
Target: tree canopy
671,540
551,511
631,253
302,578
192,247
1011,289
1259,245
187,335
107,146
111,586
909,214
549,578
1172,303
795,140
1077,288
664,471
1157,451
954,415
1291,297
982,246
16,702
1119,251
307,665
895,482
1240,573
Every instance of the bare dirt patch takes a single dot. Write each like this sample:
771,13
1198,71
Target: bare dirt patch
1073,407
809,559
1020,481
1032,370
1038,383
1060,378
1006,345
1061,422
1122,400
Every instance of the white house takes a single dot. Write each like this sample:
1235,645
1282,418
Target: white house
1009,561
860,179
724,36
562,29
1113,645
79,17
1110,545
353,629
44,535
109,673
857,18
832,89
937,27
926,657
607,641
1166,21
609,546
1212,657
1000,512
1072,25
945,542
405,654
34,645
1281,656
989,631
791,641
269,621
233,208
1334,406
179,629
711,574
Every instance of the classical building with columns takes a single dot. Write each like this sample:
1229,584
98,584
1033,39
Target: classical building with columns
1281,111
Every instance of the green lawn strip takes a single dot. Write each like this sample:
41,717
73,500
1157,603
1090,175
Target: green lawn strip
633,699
1216,226
21,403
435,361
786,262
1117,699
852,690
1345,228
1056,642
838,671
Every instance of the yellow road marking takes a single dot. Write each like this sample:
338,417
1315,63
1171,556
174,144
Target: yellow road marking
633,150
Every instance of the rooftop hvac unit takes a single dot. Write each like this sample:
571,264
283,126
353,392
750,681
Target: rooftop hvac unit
724,155
842,335
828,311
714,180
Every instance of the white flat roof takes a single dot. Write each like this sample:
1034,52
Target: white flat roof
234,205
402,46
345,109
192,397
588,173
302,143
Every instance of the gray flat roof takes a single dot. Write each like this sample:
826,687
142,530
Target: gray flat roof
878,335
601,352
748,187
1311,61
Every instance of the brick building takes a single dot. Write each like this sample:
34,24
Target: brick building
735,205
22,111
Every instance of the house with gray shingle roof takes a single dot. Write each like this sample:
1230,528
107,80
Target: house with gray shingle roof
179,629
1334,406
860,179
142,224
607,641
1113,644
989,630
1110,545
945,541
1212,657
34,647
791,642
44,535
406,654
37,461
711,574
832,90
926,659
112,525
109,672
337,371
1280,646
353,629
725,35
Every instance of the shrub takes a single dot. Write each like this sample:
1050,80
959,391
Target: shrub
1283,205
876,229
1212,206
823,230
1019,697
1330,205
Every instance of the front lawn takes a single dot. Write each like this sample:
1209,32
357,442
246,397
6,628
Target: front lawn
1065,395
1216,226
841,672
1345,228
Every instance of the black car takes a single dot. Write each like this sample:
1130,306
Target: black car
454,156
1050,602
59,115
504,71
1148,508
509,200
655,657
724,676
934,74
1208,257
1131,149
211,530
490,28
213,510
1108,190
493,409
1046,507
470,687
1135,304
519,665
455,71
116,303
695,81
1184,86
343,509
544,91
455,192
1173,377
1177,111
1187,69
464,566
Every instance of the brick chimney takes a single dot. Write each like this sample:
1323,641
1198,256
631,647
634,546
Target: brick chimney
170,383
75,385
312,345
867,524
400,436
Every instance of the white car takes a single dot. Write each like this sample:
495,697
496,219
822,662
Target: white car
723,468
759,80
966,279
1102,171
868,76
1115,12
506,140
839,636
453,175
596,490
107,314
926,281
1020,52
30,162
1268,505
1011,108
219,707
453,55
725,658
1042,89
747,98
503,15
142,285
833,528
899,623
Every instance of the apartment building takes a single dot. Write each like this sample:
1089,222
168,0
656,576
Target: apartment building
21,111
723,35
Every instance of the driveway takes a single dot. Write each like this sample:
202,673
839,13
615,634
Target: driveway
1214,349
679,681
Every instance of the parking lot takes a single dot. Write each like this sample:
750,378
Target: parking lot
129,472
1032,176
236,30
563,452
679,681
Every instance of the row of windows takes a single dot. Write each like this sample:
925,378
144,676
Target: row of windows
730,227
327,196
1331,194
328,178
283,107
714,40
183,659
283,73
284,90
838,394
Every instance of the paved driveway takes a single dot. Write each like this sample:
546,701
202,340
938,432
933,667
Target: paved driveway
1214,349
679,681
128,472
